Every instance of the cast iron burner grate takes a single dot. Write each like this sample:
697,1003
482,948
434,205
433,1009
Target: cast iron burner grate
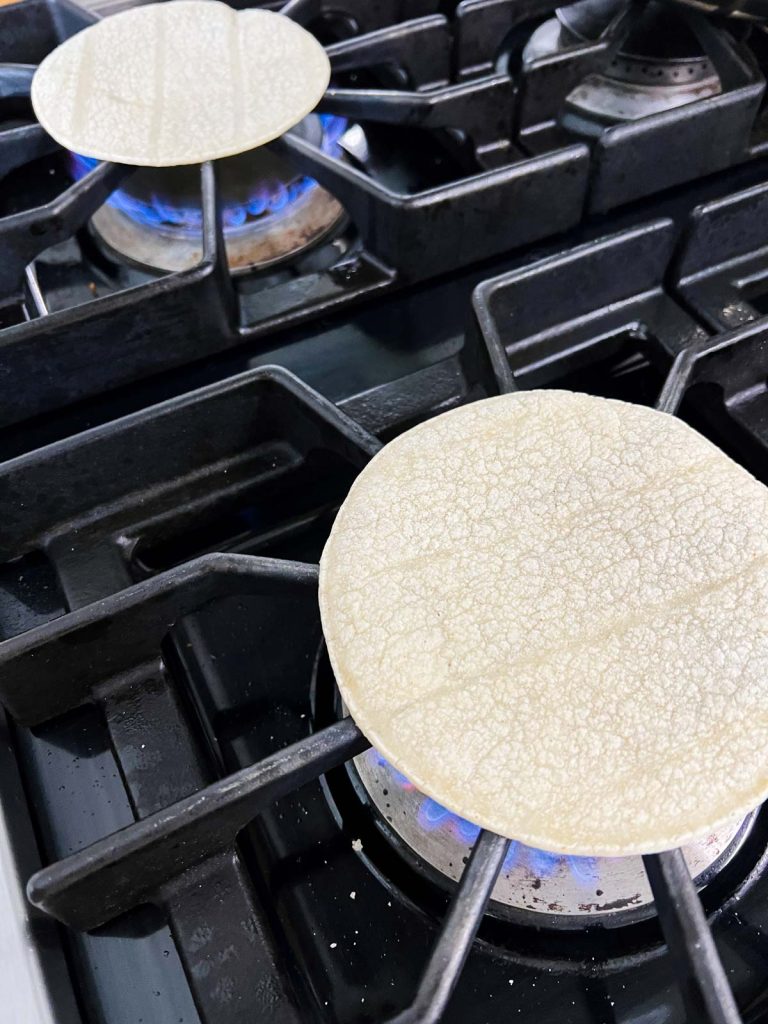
266,453
89,654
183,683
458,153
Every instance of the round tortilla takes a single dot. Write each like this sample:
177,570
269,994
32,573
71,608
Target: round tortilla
179,83
550,612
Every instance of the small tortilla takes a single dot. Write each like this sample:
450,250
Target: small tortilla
550,612
179,83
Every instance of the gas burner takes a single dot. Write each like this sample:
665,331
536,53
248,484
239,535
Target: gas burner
660,65
568,889
270,213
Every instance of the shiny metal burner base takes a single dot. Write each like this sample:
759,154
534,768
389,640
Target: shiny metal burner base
634,84
563,887
257,244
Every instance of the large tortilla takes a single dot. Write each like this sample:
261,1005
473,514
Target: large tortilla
179,83
550,612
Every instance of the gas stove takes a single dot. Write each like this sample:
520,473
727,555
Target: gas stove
194,365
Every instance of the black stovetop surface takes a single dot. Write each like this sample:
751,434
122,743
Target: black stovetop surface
187,665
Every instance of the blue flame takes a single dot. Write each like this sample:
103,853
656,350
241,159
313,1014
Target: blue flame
268,198
584,869
432,816
543,864
397,776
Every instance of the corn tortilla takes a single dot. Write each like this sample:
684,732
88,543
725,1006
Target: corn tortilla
179,83
549,611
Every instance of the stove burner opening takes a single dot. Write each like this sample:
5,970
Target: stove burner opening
659,66
269,212
564,887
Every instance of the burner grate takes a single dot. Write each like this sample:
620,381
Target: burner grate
142,862
263,436
723,270
132,515
600,313
509,174
625,333
111,652
403,235
625,162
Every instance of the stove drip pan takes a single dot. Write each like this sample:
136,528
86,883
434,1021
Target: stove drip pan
564,887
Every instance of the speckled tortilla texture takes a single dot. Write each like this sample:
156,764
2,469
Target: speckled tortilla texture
548,611
179,83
